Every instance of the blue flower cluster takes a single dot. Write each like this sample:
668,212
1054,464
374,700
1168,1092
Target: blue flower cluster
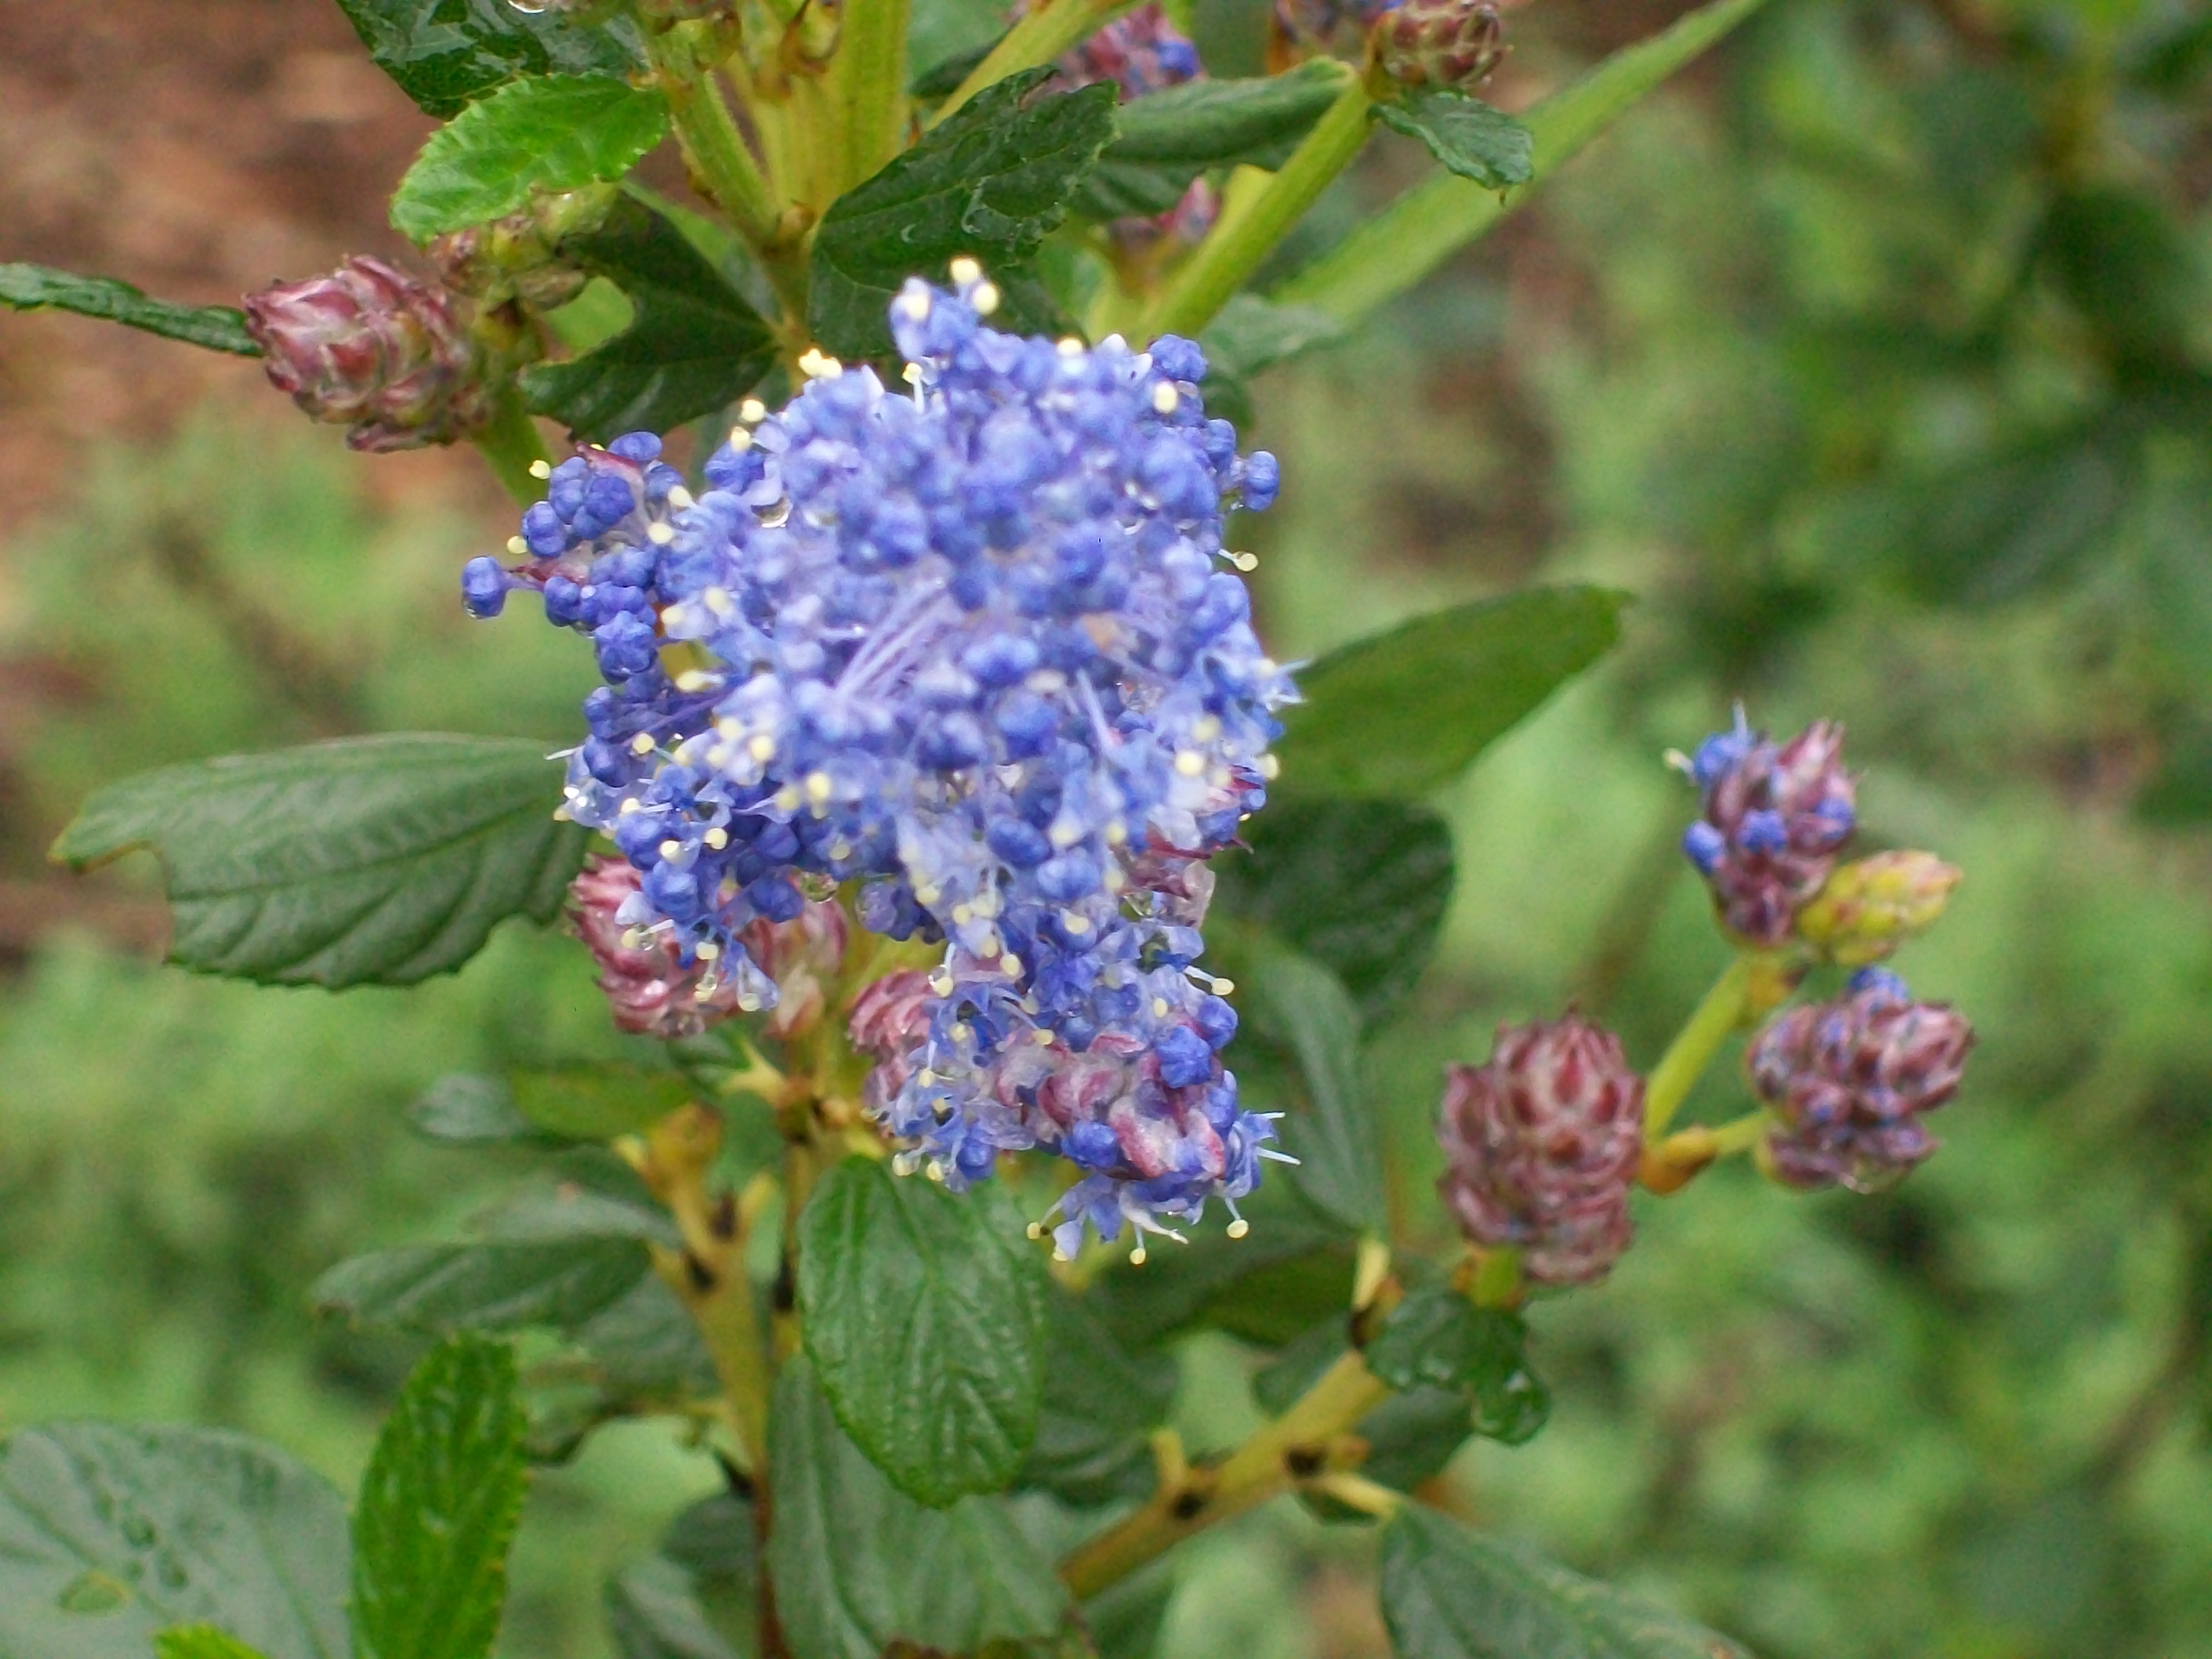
975,651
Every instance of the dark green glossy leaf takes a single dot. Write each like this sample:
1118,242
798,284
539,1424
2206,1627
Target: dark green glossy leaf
368,860
32,288
438,1509
2126,262
551,133
1437,1338
858,1564
1361,886
1101,1404
490,1285
698,1597
949,37
1297,1006
989,182
111,1532
202,1642
597,1102
1165,139
445,52
1469,137
462,1108
1449,1593
924,1317
694,344
1293,1269
1401,713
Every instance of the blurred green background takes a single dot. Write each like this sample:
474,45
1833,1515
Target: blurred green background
1875,356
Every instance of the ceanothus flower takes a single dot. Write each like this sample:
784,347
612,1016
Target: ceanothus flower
1776,817
975,655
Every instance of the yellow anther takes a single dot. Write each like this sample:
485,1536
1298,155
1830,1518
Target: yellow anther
914,304
1271,766
680,498
716,839
1160,1007
709,949
1011,966
1042,1037
1035,1230
964,271
761,746
718,600
1246,562
517,546
1207,728
671,849
1190,763
985,298
627,807
1165,397
1239,1227
752,412
694,680
642,744
1069,346
541,468
911,374
1136,1256
660,534
786,799
1222,987
740,440
818,365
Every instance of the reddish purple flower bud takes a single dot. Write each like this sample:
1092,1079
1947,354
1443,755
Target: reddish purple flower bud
890,1018
1775,819
1850,1080
1453,44
1541,1145
372,349
653,991
803,956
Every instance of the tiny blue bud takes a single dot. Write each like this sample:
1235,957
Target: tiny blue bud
483,586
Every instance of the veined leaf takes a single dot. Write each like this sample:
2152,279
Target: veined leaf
1165,139
110,1532
1449,1593
694,345
365,861
444,53
1101,1404
591,1101
1470,137
859,1566
1437,1338
438,1509
1391,252
550,132
490,1285
698,1597
1401,713
925,1321
1300,1007
33,287
990,181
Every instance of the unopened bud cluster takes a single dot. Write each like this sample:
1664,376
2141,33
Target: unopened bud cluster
371,349
1851,1079
1541,1146
1776,816
517,256
1451,44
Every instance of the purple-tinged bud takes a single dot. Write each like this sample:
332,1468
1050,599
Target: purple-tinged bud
653,991
1850,1080
1452,44
1541,1145
890,1017
517,256
1299,29
372,348
1140,52
1775,818
802,956
1872,905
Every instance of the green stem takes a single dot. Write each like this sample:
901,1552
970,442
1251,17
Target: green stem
510,442
717,153
1695,1045
1268,1463
1228,256
1741,1134
868,83
1040,37
1496,1282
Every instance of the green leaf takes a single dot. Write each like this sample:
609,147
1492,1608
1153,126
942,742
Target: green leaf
694,344
445,53
438,1509
1401,713
1420,230
464,1109
219,328
202,1642
1469,137
1251,334
943,34
1410,1435
489,1286
924,1317
698,1597
1165,139
1437,1338
989,182
368,860
858,1566
597,1101
1101,1404
110,1532
550,132
1299,1007
1449,1593
1361,886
